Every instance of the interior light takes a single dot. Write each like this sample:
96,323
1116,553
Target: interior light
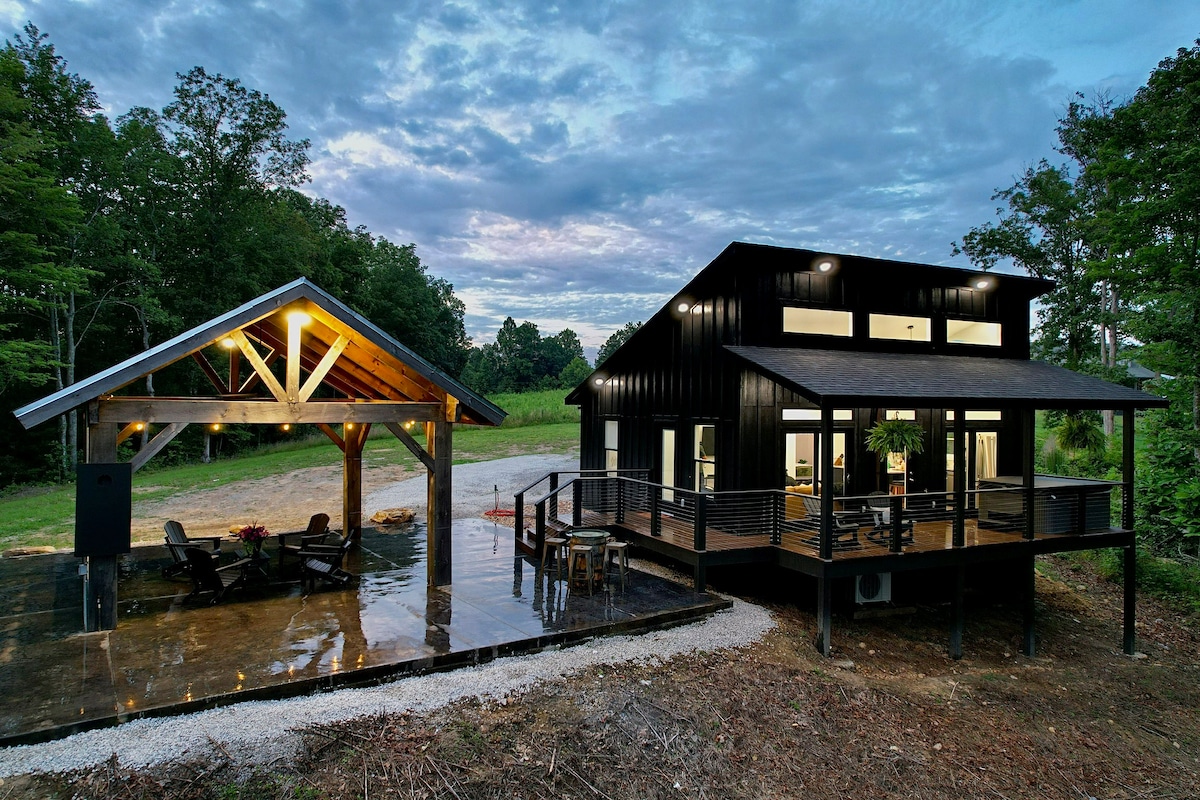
298,318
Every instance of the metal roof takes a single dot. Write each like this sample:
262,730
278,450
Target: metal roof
834,378
373,366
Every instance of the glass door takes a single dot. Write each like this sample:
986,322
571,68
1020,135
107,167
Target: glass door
666,461
980,453
802,461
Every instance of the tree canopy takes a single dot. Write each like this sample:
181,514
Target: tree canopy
115,237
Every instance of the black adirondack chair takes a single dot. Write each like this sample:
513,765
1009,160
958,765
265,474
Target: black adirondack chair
208,577
178,541
325,564
315,536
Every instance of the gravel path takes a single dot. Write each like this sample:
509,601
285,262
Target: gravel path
473,485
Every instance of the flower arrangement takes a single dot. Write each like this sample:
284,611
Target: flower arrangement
252,533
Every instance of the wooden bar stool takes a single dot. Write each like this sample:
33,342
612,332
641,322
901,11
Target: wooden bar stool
559,546
583,556
618,551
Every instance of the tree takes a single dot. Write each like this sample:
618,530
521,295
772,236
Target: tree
574,373
619,337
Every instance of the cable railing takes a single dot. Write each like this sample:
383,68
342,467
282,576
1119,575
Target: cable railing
727,520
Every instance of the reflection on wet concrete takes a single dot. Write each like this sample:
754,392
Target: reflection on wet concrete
268,640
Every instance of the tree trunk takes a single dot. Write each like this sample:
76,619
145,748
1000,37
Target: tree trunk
72,427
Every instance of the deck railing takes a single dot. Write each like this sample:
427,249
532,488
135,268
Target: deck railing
890,519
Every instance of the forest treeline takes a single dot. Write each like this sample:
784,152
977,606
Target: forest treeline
117,234
1116,225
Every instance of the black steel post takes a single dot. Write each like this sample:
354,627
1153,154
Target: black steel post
1130,634
1027,646
959,537
958,613
577,502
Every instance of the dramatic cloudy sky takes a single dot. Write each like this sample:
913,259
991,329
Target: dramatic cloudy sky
574,164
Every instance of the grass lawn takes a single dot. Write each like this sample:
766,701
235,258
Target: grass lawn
51,510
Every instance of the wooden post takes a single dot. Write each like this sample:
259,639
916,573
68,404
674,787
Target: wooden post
100,596
824,614
825,472
1127,522
1030,593
960,477
438,438
958,613
354,439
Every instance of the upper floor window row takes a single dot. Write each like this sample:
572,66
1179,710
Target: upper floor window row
830,322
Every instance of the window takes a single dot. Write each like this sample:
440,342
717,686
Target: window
976,416
820,321
667,460
965,331
705,458
892,326
611,431
814,414
893,413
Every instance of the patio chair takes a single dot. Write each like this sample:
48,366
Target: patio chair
208,577
845,523
325,564
315,535
178,541
879,505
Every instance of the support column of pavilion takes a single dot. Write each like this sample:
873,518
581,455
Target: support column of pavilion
100,597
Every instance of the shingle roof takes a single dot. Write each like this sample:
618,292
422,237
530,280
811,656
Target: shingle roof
839,377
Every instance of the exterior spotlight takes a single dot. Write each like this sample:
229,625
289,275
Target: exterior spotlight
825,264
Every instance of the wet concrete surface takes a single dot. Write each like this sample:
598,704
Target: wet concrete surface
267,640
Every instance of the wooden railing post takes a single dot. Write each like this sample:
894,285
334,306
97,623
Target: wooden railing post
577,502
554,496
539,530
519,515
897,545
700,533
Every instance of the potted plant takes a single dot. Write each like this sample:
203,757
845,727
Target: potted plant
895,436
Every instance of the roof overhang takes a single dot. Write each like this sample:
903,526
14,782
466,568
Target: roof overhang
342,349
849,379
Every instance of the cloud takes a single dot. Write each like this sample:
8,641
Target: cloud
573,164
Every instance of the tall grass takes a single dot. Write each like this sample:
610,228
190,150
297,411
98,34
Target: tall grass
536,408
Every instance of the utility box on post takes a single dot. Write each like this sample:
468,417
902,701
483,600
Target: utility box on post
103,509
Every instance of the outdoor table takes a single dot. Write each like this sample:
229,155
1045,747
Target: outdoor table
594,539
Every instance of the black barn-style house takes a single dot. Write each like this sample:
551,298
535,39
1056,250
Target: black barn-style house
732,429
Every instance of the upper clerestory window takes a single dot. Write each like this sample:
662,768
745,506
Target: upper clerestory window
820,321
906,329
966,331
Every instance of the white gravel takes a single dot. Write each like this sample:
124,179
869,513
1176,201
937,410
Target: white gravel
267,729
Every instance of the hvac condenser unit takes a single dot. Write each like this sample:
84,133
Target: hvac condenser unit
874,587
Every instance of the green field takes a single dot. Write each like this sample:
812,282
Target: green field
539,422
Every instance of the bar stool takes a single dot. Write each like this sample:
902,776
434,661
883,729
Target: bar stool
619,552
559,546
587,554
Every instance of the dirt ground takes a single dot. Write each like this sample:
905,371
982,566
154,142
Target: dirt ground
888,716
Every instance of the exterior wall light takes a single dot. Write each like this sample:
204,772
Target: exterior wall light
984,283
825,265
683,307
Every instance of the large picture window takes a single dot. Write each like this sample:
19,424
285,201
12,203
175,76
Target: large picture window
820,321
611,435
967,331
900,328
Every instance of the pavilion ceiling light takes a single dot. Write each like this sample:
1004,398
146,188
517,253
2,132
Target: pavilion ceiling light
228,343
216,426
287,426
298,318
139,426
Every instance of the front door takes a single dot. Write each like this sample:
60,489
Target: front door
666,460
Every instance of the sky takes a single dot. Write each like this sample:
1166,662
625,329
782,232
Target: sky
574,164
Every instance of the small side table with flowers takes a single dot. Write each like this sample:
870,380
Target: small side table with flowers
252,536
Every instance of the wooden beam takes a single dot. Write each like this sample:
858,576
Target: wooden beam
319,372
292,370
408,441
129,430
207,368
230,412
260,366
155,445
270,358
452,412
333,436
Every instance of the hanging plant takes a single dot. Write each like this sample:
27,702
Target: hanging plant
895,436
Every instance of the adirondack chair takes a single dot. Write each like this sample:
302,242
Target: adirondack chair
208,577
315,536
325,564
178,541
845,523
